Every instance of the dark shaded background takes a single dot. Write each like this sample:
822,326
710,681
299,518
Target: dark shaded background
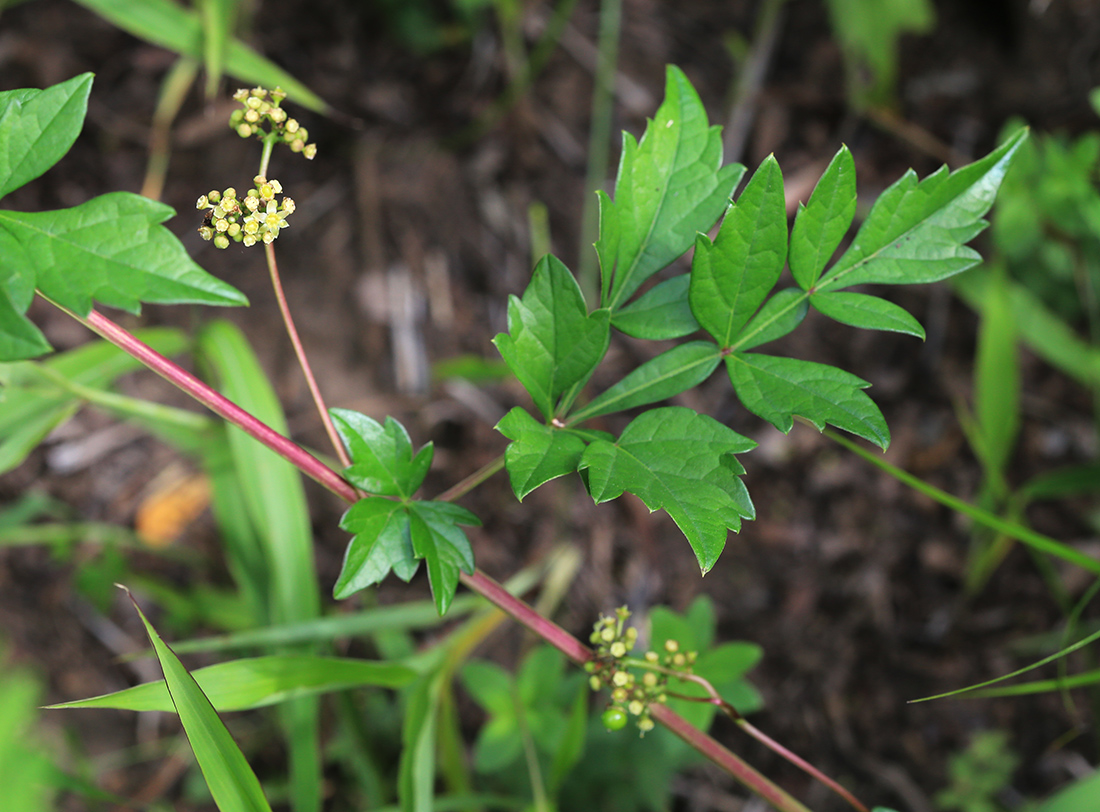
850,581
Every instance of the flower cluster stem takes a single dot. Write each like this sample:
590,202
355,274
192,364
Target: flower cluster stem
303,361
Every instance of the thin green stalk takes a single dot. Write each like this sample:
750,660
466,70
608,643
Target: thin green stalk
303,360
472,481
1036,540
599,146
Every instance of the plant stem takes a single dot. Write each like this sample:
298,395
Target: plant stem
219,404
303,361
477,581
462,488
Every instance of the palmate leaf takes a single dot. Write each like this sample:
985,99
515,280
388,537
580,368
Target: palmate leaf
553,344
395,536
731,277
776,389
37,127
669,187
917,230
680,461
110,249
382,458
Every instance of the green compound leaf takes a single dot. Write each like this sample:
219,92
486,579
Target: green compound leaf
669,374
660,313
917,230
37,127
731,277
776,389
381,543
553,344
821,224
382,457
780,315
669,187
681,461
868,312
111,250
437,538
538,452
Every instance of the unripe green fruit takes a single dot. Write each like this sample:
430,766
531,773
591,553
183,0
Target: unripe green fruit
614,719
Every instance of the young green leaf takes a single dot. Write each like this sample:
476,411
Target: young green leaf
917,230
256,682
731,277
660,313
231,781
669,187
553,344
681,461
381,542
382,458
437,538
538,452
821,224
665,376
781,314
776,389
123,255
37,127
868,312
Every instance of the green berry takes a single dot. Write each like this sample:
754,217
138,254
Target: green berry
614,719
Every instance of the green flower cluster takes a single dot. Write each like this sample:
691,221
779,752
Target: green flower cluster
256,218
630,695
261,115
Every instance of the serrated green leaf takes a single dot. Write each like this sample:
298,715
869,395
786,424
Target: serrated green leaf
257,682
381,542
112,250
553,344
669,374
660,313
821,224
675,459
37,127
915,232
868,312
382,458
178,29
669,187
781,314
731,277
438,539
777,389
232,783
538,452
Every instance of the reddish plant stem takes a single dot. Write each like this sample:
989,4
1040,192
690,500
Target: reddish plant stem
220,405
725,759
477,582
303,361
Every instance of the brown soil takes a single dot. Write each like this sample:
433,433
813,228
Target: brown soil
851,582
